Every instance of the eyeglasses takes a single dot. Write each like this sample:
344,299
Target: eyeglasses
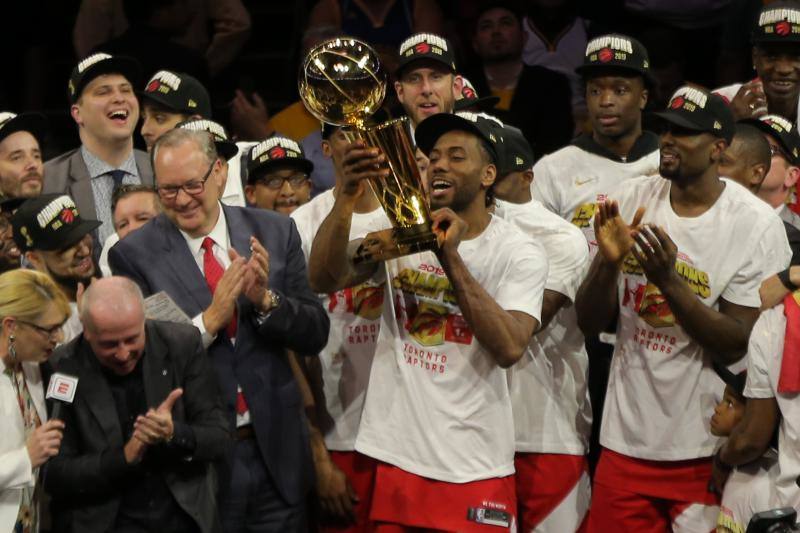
53,332
192,188
275,182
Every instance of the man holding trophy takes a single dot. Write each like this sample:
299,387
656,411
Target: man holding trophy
437,418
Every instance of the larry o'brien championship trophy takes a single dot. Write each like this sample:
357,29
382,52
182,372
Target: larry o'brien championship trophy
342,83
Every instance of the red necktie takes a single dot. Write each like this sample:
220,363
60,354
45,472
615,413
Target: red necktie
789,381
213,272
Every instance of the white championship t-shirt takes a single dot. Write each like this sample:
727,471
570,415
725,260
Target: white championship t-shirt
661,384
571,181
765,355
747,492
438,405
549,395
355,321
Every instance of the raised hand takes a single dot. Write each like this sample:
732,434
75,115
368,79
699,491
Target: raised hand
257,276
360,163
449,228
614,236
156,425
750,101
230,286
656,254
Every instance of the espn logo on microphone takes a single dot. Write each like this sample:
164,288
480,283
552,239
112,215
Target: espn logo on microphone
62,387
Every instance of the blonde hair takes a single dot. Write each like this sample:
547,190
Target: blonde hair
25,295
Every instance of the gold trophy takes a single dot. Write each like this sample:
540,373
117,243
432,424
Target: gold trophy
342,83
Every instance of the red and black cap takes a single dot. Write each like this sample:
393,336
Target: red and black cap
49,222
273,152
698,110
34,123
516,154
178,92
97,64
426,46
778,22
469,100
227,149
615,52
783,131
486,127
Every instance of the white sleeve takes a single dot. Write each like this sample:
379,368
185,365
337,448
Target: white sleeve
568,263
522,288
543,188
16,470
771,255
306,235
765,348
206,336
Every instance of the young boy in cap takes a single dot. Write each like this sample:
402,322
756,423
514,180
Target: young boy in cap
278,175
748,488
548,386
168,99
683,275
427,81
437,415
344,477
105,108
21,168
56,240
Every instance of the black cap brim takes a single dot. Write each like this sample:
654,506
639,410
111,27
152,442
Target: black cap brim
256,171
8,205
484,103
124,65
781,138
677,119
35,123
403,65
429,130
226,149
588,71
70,239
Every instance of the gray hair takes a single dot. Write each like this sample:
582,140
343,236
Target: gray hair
114,294
178,136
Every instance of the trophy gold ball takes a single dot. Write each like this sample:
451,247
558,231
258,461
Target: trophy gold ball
342,82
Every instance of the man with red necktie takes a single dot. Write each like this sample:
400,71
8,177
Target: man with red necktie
241,275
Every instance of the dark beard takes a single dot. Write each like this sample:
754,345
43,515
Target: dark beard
71,283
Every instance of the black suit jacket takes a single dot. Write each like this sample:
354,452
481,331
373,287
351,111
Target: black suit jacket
157,257
541,107
85,477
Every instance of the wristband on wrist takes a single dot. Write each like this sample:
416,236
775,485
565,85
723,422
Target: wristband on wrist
786,280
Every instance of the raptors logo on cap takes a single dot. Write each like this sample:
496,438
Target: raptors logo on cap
783,28
676,103
422,48
469,93
67,216
152,86
277,152
605,55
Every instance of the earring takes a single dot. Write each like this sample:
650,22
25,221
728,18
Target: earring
12,350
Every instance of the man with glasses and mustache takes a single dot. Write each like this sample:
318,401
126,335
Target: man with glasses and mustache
21,167
278,175
55,239
241,274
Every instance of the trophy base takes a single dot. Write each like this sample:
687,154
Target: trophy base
395,242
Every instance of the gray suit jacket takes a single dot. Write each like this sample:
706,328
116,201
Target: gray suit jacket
67,173
87,476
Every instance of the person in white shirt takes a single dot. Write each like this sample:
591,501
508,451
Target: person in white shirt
344,476
684,278
438,412
771,392
747,490
549,396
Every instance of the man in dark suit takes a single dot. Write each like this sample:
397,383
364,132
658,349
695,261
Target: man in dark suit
241,274
144,426
105,108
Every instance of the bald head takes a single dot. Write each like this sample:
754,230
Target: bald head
111,300
747,159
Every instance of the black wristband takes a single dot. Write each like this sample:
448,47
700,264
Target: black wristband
787,281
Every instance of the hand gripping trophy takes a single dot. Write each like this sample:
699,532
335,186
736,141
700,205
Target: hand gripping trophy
342,83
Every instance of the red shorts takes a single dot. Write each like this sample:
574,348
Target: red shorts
543,482
652,496
403,500
360,472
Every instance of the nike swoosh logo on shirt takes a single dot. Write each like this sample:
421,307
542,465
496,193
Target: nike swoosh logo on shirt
580,182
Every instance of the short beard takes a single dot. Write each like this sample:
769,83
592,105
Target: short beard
71,283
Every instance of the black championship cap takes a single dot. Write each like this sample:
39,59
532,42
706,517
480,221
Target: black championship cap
778,22
469,99
782,131
34,123
98,64
698,110
276,151
426,46
485,127
227,149
734,381
516,154
616,52
178,92
49,222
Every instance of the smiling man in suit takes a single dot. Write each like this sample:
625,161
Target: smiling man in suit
144,426
240,273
